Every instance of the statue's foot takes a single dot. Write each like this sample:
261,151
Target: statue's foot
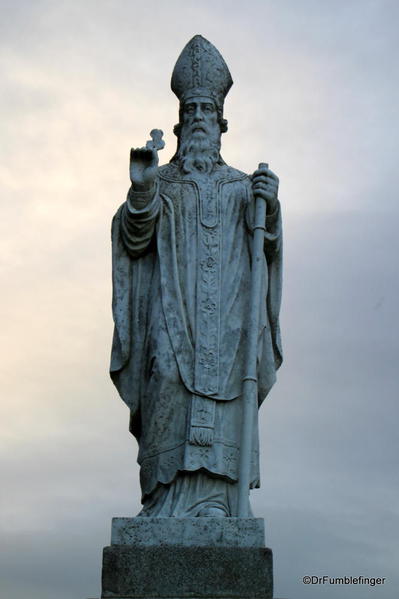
212,512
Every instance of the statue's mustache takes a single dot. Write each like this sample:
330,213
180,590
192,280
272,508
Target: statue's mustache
191,142
199,127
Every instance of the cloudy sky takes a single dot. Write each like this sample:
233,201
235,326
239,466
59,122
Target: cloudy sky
316,96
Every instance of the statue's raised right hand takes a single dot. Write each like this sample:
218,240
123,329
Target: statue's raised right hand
143,168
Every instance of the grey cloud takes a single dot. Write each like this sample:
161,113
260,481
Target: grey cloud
314,94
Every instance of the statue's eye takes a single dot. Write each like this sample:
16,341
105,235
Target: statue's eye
189,109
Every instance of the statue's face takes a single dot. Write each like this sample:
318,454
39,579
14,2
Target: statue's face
200,118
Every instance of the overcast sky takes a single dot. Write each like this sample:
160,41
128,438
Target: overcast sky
316,96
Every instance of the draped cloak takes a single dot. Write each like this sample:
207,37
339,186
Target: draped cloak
181,284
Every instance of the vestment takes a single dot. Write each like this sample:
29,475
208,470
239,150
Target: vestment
181,277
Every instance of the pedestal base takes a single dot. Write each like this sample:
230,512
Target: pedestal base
187,558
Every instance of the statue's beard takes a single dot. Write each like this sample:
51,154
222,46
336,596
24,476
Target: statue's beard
198,153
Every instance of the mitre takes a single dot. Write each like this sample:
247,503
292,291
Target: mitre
201,70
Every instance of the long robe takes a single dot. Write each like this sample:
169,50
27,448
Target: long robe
181,281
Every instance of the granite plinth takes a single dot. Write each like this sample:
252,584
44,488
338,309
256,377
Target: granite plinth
187,572
187,558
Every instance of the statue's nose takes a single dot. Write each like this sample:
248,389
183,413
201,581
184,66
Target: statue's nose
198,116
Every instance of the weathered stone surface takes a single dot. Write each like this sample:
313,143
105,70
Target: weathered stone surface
187,572
189,532
197,343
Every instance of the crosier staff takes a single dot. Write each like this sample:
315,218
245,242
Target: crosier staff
265,188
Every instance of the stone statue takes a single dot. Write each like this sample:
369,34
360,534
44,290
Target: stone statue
182,261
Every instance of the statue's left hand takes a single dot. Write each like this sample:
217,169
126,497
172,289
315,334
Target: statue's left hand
265,185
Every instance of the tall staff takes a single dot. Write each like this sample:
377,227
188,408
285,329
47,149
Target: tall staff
250,380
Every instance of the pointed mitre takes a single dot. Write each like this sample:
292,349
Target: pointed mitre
201,71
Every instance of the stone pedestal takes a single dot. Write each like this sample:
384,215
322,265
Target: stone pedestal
187,558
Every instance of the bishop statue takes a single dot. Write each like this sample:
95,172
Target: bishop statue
182,266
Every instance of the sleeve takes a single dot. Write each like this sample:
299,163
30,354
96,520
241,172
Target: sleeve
138,218
273,233
274,257
273,227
